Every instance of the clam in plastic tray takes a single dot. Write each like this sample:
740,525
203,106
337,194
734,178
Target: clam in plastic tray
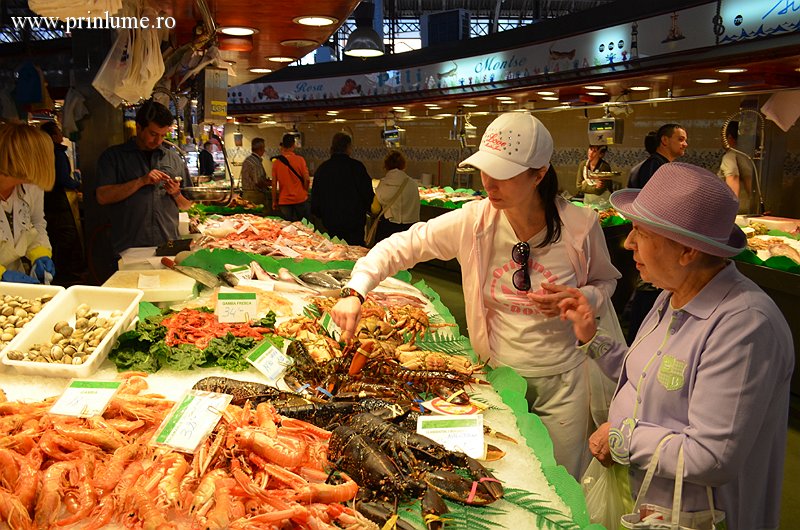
104,300
28,291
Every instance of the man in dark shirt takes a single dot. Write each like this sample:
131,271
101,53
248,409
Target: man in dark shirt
63,226
143,180
206,163
342,192
671,143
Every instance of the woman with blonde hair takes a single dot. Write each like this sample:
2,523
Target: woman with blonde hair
27,169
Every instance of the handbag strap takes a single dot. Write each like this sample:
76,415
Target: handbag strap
651,471
286,161
392,200
678,495
678,491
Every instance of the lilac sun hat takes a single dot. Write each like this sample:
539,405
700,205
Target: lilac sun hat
687,204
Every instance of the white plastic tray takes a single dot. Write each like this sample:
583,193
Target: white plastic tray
28,291
104,300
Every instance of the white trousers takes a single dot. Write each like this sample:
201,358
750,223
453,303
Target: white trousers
562,402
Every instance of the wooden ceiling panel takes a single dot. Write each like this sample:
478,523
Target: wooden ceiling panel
274,22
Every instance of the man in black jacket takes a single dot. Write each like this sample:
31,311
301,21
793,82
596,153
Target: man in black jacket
342,192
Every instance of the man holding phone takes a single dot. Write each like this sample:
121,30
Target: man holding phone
143,179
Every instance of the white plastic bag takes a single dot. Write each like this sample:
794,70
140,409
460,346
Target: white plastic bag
607,492
114,69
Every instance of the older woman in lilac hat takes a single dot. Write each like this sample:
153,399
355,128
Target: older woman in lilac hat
710,367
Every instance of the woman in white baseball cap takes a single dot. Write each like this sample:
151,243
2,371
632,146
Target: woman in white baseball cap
513,247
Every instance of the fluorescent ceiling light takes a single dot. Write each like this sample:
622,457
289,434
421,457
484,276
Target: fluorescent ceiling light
315,20
332,112
550,98
366,110
399,109
469,105
594,87
546,93
258,70
596,93
731,70
505,98
706,80
237,31
431,104
640,88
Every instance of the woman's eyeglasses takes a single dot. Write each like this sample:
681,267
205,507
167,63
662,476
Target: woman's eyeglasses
520,254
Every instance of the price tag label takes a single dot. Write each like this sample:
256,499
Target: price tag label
269,360
242,272
236,306
84,399
330,327
456,433
191,420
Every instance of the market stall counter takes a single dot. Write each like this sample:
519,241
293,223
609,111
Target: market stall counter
142,433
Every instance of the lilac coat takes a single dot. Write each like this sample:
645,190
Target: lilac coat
715,374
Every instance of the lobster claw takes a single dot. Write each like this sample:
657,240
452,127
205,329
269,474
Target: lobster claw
433,507
380,512
483,476
453,486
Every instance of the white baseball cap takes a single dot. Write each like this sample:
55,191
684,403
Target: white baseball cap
512,143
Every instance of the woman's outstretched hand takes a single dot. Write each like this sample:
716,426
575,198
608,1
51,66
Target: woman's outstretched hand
577,309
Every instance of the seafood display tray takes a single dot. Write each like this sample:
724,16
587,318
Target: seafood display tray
104,300
29,291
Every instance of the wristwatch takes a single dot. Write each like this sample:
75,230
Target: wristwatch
349,291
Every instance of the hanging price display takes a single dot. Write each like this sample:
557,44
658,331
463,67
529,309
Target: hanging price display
269,360
191,420
236,306
456,433
84,399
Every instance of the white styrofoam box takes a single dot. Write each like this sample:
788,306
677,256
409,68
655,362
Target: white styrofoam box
777,223
183,224
104,300
28,291
163,285
138,258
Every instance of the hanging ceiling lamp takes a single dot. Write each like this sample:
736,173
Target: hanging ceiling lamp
364,41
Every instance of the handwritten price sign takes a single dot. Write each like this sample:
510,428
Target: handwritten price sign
236,306
269,360
191,420
84,399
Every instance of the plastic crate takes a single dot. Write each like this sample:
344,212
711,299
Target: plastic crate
28,291
104,300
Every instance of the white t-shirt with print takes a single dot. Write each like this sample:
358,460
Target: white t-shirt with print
519,336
